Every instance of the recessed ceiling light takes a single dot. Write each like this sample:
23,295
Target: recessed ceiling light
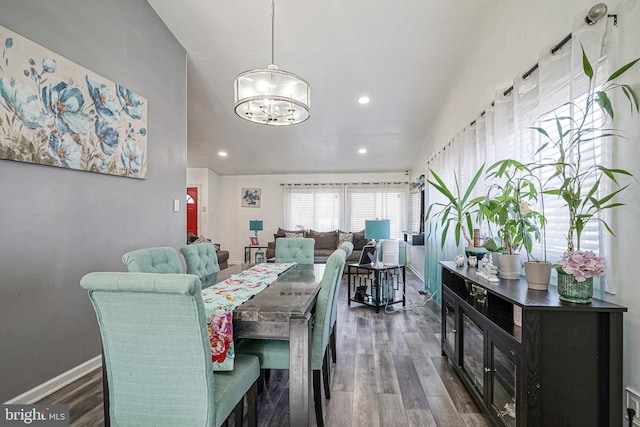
222,153
362,151
363,100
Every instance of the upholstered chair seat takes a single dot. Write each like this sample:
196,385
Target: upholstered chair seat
157,353
162,260
201,259
295,250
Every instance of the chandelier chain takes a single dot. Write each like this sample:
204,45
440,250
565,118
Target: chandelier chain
273,31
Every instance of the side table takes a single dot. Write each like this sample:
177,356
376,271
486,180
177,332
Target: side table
247,251
382,286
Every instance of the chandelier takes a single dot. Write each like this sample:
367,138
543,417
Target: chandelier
270,96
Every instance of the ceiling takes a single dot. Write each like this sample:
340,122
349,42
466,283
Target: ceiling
402,54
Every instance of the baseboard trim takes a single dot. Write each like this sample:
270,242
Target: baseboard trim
420,276
45,389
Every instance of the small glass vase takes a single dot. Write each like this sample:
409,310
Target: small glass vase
571,290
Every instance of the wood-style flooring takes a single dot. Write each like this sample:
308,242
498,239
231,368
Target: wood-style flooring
389,372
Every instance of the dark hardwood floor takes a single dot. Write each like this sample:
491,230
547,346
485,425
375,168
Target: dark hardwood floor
389,372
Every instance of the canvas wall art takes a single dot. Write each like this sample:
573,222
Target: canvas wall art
250,197
55,112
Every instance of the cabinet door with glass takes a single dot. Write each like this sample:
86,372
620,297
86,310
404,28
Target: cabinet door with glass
472,343
450,327
503,366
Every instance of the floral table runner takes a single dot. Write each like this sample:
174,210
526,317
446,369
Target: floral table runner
222,298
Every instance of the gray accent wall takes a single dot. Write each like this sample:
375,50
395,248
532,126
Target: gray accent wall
57,225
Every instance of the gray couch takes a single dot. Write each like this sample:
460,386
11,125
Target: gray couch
326,243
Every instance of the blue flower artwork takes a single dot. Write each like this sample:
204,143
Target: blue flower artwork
250,198
57,113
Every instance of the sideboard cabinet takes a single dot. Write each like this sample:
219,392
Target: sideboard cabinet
560,366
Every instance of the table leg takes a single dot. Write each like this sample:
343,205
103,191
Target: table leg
404,286
247,254
349,285
300,378
376,284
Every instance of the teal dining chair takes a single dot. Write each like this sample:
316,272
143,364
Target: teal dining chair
274,354
295,250
201,259
157,353
162,260
347,247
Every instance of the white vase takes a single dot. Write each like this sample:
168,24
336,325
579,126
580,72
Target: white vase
509,266
538,275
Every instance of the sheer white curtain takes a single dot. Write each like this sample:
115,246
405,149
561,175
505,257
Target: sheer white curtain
504,131
384,200
314,206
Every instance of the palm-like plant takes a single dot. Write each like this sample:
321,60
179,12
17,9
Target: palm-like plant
457,212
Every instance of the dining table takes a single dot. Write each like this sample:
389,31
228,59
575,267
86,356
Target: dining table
282,311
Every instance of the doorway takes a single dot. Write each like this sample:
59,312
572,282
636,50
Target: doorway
192,210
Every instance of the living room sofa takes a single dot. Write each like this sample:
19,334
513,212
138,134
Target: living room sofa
326,243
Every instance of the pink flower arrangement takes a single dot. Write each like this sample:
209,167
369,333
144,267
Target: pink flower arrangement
582,264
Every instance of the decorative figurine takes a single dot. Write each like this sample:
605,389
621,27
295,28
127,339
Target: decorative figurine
472,260
459,260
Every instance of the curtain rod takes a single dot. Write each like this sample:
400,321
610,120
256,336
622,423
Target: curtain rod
530,71
325,184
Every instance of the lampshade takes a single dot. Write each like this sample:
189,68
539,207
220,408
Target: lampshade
377,229
271,96
255,225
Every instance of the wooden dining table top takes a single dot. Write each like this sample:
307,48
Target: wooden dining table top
293,294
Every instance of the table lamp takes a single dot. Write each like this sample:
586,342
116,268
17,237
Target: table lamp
255,225
377,229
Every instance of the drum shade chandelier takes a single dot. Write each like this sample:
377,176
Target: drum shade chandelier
270,96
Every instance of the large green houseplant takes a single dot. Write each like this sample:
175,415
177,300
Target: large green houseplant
457,212
507,206
580,185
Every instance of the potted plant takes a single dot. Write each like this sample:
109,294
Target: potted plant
580,185
457,212
507,206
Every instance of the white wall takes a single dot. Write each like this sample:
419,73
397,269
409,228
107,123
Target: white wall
234,220
512,34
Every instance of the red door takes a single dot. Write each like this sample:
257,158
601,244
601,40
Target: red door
192,210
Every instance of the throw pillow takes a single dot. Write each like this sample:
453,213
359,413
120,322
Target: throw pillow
324,239
344,237
359,241
293,235
282,231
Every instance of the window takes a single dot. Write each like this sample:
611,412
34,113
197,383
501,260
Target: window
315,208
416,211
374,203
326,207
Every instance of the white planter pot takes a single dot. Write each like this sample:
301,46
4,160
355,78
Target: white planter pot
509,266
538,274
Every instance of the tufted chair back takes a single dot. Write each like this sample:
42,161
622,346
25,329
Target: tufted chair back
163,260
157,352
295,250
201,259
347,247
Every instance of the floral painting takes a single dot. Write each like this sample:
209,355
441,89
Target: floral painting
250,197
55,112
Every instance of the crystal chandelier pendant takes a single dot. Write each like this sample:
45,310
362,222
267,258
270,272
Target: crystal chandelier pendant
271,96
